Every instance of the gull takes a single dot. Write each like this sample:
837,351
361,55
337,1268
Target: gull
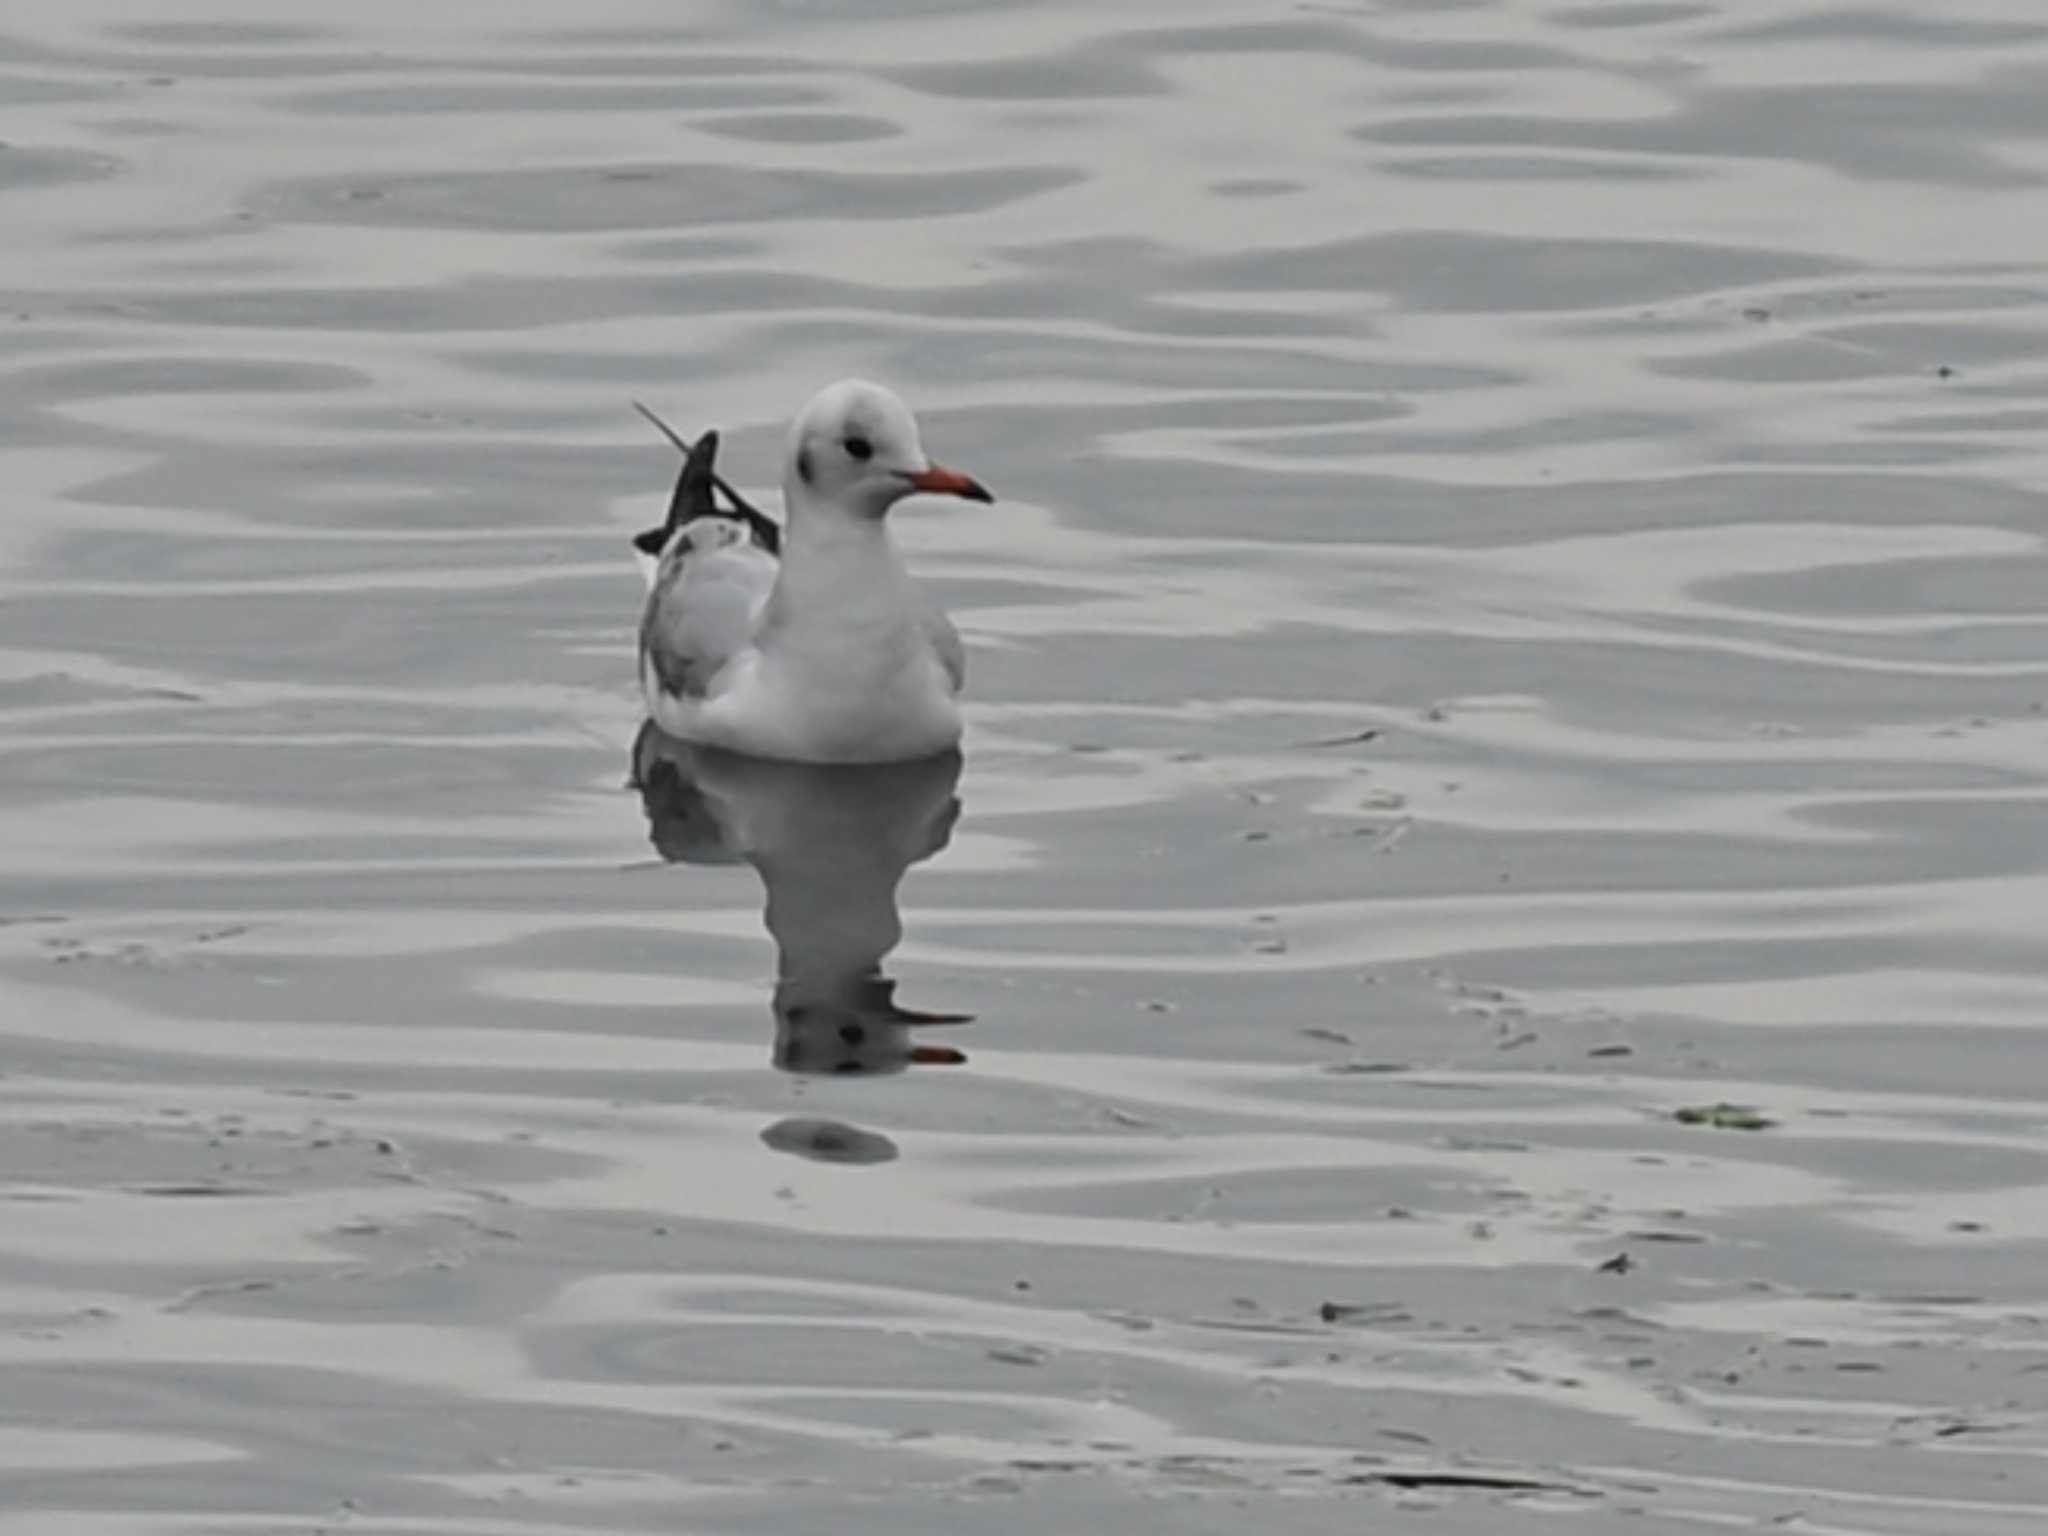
811,643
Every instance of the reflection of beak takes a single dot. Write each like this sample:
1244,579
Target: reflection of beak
919,1016
947,482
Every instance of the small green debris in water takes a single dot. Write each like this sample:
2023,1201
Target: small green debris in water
1724,1117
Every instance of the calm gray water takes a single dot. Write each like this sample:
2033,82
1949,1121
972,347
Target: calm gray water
1634,413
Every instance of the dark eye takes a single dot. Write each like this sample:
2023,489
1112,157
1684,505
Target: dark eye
860,448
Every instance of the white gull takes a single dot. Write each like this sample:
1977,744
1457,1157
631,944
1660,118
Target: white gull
828,652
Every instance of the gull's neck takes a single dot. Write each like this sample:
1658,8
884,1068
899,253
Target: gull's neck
824,536
839,569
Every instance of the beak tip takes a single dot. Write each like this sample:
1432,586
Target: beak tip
942,481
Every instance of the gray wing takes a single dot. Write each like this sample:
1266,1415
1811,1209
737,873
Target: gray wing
704,607
945,643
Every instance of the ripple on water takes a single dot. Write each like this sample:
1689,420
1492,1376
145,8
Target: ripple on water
586,199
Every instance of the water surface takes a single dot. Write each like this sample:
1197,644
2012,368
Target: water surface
1516,611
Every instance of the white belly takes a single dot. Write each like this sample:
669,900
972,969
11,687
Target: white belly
777,708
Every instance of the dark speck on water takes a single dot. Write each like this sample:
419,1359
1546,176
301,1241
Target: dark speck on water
829,1141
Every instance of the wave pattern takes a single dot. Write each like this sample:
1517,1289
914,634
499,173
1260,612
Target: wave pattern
1500,874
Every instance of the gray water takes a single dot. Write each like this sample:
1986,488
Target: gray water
1516,610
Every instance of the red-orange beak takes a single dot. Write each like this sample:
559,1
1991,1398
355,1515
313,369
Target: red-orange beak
948,482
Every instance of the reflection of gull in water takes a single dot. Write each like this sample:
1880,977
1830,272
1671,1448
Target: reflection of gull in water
831,844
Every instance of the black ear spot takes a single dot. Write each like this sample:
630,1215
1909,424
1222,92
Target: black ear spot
860,448
803,465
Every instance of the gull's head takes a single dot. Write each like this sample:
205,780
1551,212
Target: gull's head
855,447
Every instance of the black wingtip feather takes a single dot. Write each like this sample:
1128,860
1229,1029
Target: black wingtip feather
694,496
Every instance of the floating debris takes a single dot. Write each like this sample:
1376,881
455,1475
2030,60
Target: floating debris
1354,739
1724,1117
1018,1354
1496,1482
1370,1311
